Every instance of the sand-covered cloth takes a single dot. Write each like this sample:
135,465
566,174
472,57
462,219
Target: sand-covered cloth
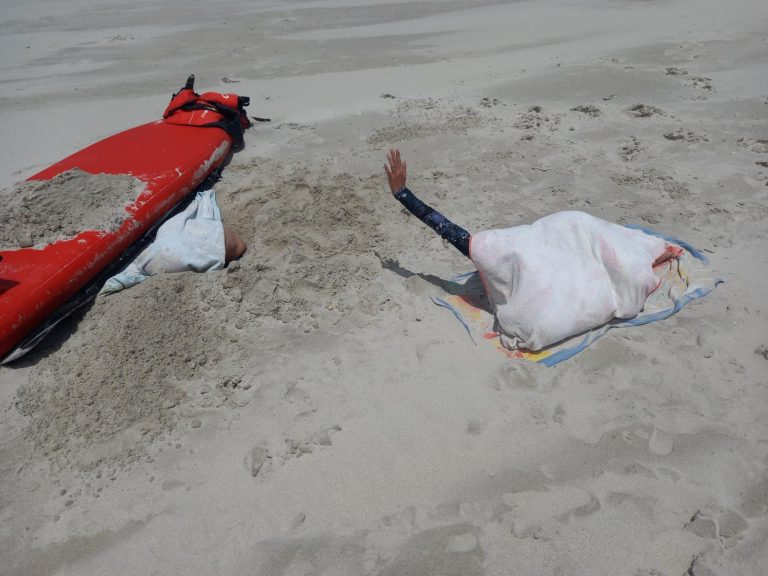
679,276
192,240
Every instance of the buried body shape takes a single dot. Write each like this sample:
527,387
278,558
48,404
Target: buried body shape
560,276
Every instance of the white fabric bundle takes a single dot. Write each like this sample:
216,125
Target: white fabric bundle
192,240
563,275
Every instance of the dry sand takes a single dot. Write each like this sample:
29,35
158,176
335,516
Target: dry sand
309,411
38,213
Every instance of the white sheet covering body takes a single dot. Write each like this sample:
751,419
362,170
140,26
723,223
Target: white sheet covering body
564,274
192,240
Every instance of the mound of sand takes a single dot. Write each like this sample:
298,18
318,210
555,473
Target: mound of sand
113,386
40,212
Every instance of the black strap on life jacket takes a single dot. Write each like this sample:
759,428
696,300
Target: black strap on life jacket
229,110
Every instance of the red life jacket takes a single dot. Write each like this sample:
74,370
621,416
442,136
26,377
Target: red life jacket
209,110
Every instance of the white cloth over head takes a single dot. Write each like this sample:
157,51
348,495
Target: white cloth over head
192,240
563,275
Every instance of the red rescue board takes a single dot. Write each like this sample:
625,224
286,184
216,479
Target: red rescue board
171,159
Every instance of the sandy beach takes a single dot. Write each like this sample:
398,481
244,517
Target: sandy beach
309,410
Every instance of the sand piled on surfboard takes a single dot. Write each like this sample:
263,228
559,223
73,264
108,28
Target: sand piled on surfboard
36,213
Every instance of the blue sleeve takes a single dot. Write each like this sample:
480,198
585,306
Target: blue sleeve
449,231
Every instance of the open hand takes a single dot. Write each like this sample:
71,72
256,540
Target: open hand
396,171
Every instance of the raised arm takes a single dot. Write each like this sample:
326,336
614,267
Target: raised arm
396,170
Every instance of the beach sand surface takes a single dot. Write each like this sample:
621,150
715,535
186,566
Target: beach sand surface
309,410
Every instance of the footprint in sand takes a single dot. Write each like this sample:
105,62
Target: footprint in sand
754,145
702,526
701,82
644,111
718,523
489,102
652,216
308,445
588,109
255,459
681,135
233,392
535,119
630,148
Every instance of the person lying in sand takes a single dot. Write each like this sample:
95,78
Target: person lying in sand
195,239
234,246
559,276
